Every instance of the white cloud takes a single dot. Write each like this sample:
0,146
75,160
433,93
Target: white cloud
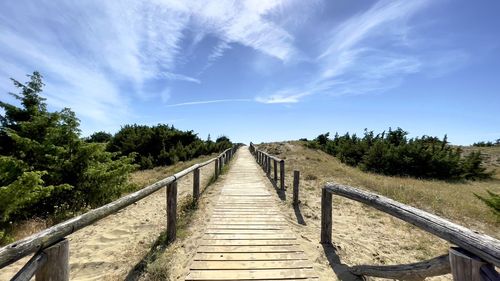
208,102
352,61
96,55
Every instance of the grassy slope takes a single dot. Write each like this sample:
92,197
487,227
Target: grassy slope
455,201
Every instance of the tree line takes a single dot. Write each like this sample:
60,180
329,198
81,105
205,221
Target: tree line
393,153
487,143
48,170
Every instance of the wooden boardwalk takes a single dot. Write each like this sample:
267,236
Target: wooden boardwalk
247,237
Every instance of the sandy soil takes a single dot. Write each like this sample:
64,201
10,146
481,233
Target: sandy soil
173,264
110,248
361,235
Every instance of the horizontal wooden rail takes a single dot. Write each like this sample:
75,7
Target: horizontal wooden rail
484,246
45,238
479,246
420,270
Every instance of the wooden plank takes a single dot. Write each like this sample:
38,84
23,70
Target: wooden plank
248,242
483,246
245,231
249,257
252,221
214,265
246,226
248,249
249,236
265,274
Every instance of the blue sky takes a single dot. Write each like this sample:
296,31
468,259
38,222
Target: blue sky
263,70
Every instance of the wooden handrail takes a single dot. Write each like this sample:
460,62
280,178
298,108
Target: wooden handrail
484,246
264,159
478,246
45,238
419,270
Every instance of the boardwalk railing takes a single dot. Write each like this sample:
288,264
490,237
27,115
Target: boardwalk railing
473,259
264,159
51,248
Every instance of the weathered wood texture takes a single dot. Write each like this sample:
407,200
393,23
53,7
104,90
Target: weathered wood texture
56,268
196,185
31,267
14,251
247,238
264,159
172,211
275,166
282,174
326,217
485,247
296,178
415,271
466,266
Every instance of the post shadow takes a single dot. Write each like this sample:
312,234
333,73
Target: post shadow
341,270
281,193
154,252
298,214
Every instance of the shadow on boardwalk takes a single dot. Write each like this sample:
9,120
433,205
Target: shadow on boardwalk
340,269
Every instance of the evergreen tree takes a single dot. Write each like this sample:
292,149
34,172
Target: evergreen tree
45,165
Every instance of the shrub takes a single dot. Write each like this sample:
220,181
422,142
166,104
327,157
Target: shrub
44,164
162,144
393,153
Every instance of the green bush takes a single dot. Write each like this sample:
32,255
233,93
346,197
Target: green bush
46,166
162,144
392,153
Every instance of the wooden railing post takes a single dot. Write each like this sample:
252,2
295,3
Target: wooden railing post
268,166
216,167
296,177
326,216
196,184
466,266
56,268
221,164
275,172
282,174
171,211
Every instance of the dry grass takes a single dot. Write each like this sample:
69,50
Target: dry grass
139,178
188,221
147,177
455,201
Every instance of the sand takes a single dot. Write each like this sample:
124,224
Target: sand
110,248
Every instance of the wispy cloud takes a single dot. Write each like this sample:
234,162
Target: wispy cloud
208,102
369,52
98,55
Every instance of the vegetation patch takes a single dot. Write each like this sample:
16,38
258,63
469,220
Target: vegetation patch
393,153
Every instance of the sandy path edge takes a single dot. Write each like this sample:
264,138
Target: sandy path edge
110,248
